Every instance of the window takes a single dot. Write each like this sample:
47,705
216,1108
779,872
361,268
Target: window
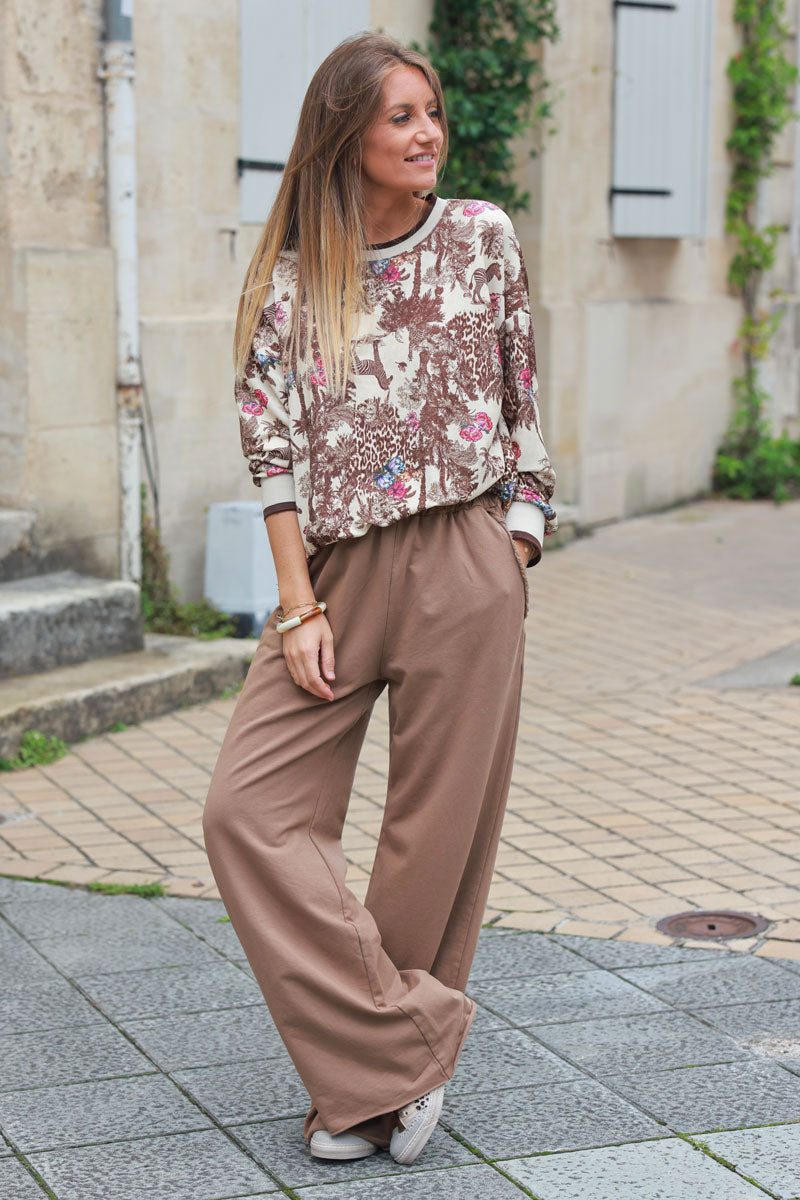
662,101
282,42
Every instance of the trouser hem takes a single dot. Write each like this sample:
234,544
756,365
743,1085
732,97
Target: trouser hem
431,1079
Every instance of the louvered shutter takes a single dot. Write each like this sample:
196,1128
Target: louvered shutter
662,102
281,45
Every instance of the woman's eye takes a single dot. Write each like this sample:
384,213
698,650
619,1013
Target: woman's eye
401,118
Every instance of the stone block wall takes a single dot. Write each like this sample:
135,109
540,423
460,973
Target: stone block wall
58,444
633,335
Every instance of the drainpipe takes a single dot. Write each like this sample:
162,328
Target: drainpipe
117,73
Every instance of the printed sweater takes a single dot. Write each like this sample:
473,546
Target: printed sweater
444,404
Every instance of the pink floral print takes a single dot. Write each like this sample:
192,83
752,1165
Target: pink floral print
476,207
318,377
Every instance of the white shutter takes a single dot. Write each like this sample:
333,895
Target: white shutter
662,102
282,42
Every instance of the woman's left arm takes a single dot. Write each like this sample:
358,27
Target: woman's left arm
530,517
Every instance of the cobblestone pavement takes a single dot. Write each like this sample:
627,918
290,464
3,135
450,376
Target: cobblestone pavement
138,1059
658,762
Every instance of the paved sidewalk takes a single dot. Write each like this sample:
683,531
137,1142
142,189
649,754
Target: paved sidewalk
139,1060
658,762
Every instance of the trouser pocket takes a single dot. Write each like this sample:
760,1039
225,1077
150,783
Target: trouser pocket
495,511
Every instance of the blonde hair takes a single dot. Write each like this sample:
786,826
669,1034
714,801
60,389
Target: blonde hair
318,211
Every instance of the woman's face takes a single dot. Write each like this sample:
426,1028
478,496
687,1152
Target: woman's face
399,151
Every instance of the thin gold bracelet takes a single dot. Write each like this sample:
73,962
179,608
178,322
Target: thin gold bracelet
305,604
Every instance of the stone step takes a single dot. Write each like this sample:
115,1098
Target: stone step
77,701
53,620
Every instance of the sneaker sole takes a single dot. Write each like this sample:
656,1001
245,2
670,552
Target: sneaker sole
410,1153
342,1154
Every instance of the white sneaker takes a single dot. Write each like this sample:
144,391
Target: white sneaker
340,1145
419,1120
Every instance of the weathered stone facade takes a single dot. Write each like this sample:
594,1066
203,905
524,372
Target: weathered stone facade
633,335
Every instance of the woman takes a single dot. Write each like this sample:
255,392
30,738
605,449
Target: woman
405,489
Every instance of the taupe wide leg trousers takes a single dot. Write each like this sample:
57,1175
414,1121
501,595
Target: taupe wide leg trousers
369,999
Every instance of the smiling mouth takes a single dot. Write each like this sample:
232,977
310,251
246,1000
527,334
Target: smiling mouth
422,160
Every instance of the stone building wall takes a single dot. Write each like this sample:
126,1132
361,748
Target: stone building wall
58,435
633,335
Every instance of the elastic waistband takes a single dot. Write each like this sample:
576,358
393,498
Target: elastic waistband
488,499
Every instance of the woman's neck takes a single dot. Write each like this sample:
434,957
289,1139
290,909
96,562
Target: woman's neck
389,217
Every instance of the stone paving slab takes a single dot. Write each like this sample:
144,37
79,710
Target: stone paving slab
16,1183
772,1156
48,1118
503,1059
523,954
67,1055
280,1146
189,1166
616,954
563,997
23,966
207,1039
716,982
771,670
59,912
18,889
47,1003
663,1170
772,1030
86,954
559,1116
209,922
254,1091
165,991
458,1183
789,964
724,1096
657,1041
487,1022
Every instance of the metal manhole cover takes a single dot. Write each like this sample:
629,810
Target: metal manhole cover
720,924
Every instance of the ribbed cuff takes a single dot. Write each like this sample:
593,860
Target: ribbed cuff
526,521
284,506
277,489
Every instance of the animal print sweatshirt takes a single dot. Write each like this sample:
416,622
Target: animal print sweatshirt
444,402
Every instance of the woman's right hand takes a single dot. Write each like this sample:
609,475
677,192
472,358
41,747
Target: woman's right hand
305,648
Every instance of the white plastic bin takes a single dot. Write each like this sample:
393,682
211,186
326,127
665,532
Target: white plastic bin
240,576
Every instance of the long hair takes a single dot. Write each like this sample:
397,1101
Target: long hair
318,211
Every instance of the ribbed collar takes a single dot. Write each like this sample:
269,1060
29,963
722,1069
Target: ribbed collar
414,237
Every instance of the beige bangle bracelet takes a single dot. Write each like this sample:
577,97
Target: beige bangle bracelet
293,622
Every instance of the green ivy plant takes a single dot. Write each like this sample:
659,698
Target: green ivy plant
485,54
751,462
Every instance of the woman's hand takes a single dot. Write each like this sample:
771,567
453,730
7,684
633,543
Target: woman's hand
303,647
524,550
